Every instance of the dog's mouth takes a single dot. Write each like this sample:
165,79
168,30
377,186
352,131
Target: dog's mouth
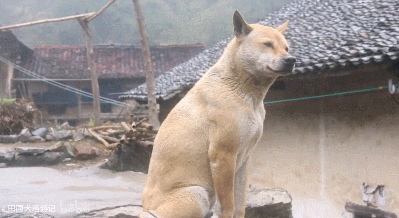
285,71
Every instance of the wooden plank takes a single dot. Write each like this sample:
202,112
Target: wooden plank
152,107
368,211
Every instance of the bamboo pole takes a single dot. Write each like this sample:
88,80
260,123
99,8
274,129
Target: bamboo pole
105,143
152,104
89,18
46,21
92,70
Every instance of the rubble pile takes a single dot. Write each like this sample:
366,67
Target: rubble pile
15,116
131,143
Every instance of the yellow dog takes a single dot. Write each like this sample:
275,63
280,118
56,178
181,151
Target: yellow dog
202,149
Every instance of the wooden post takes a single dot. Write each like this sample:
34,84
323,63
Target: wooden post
92,70
79,102
10,75
152,104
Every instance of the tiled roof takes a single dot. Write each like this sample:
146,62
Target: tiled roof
112,61
324,35
13,49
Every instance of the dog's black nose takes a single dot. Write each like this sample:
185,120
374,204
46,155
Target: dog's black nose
289,60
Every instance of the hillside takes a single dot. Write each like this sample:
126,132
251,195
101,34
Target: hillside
168,21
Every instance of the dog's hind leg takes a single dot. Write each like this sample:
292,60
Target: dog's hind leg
185,202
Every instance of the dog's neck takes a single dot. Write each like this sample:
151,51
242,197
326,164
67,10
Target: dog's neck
244,83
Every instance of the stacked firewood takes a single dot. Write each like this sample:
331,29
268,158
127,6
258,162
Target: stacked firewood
15,116
131,133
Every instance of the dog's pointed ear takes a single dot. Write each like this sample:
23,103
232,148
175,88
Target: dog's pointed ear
283,27
241,28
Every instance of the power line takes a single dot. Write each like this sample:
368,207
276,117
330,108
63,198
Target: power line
63,86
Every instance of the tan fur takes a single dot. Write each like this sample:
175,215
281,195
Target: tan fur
202,149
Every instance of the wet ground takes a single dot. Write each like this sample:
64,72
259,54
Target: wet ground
67,193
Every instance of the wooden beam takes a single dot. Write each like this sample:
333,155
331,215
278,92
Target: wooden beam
100,11
10,75
92,70
46,21
366,211
152,104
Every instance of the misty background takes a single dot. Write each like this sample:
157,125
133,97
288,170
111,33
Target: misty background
167,21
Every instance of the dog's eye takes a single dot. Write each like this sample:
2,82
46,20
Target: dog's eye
269,44
286,49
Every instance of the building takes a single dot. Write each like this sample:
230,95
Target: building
321,151
119,68
11,49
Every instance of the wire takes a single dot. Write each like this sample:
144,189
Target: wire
63,86
325,96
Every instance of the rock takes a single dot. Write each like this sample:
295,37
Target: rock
47,158
347,214
7,156
65,126
63,134
125,211
24,135
58,146
70,150
85,152
8,138
40,132
36,139
49,137
78,135
3,165
29,151
66,160
268,203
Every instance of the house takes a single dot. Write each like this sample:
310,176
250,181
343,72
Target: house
119,68
321,150
11,49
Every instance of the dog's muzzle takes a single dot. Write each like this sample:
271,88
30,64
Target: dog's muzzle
288,64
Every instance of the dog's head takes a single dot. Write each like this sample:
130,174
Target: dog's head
262,51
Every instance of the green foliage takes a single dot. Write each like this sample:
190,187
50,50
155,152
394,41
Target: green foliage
167,21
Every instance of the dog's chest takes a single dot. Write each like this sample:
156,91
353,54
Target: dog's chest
251,128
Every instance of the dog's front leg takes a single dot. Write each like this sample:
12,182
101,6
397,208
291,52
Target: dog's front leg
223,162
240,189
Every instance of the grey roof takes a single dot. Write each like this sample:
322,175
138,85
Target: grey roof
324,35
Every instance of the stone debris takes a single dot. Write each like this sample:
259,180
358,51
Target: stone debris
268,203
7,156
84,152
60,135
57,147
29,150
325,36
40,132
24,135
36,139
47,158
